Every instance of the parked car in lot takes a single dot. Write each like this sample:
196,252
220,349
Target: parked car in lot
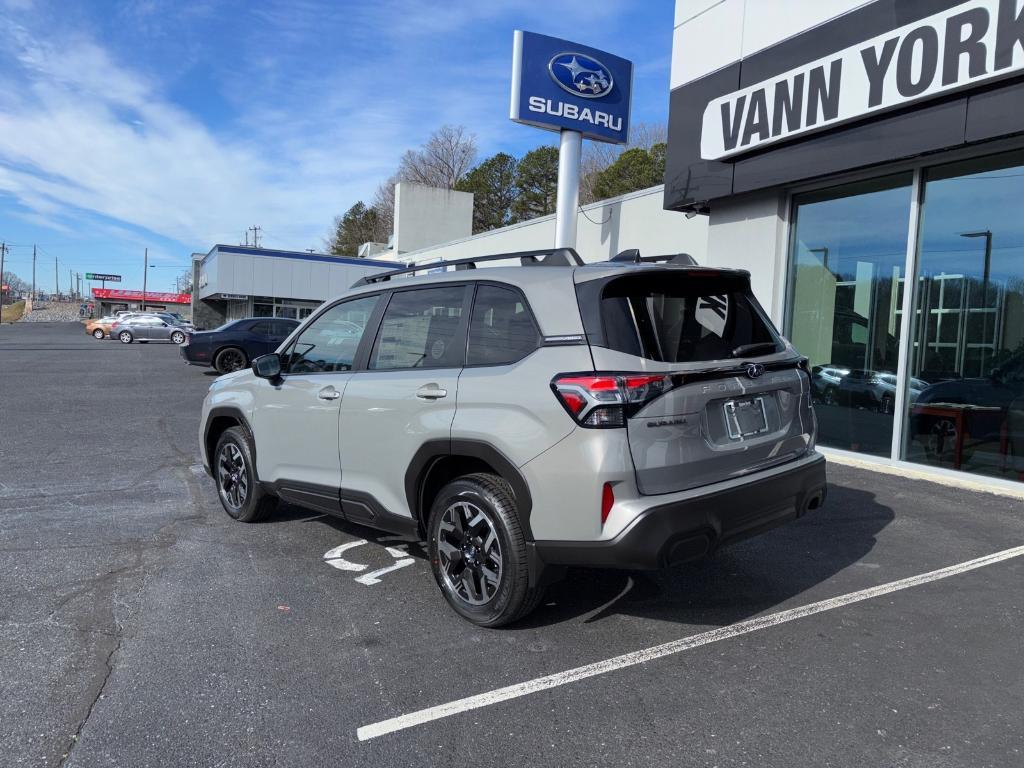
100,327
234,344
632,414
875,390
825,381
146,328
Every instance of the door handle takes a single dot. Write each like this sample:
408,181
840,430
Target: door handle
328,393
431,392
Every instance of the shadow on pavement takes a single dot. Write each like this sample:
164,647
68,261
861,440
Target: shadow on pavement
733,584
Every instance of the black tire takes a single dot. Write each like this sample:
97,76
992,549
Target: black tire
178,338
500,601
234,471
125,337
98,333
230,359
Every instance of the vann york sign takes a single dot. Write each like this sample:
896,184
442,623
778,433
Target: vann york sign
969,44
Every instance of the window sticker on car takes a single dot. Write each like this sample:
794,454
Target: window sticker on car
712,312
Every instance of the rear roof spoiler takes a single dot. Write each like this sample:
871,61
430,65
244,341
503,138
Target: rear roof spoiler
632,256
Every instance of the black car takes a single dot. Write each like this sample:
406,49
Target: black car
234,344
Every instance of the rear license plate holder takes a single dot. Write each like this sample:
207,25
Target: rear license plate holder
745,418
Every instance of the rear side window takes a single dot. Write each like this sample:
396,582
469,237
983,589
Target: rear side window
501,330
680,318
421,329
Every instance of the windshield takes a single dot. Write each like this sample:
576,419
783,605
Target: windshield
675,317
229,324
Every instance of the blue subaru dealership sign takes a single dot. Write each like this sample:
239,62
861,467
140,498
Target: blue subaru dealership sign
557,84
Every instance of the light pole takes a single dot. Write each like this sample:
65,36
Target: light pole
987,234
824,254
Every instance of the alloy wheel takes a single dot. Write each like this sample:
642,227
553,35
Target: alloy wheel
232,479
470,553
230,360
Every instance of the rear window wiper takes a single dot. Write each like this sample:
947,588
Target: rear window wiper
746,349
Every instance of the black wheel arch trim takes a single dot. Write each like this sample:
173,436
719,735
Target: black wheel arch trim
432,451
231,412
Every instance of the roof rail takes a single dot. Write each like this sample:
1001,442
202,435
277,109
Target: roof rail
632,256
552,257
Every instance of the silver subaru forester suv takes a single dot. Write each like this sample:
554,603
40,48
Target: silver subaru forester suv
634,413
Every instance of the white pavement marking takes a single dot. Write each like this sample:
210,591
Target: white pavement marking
373,576
333,557
401,722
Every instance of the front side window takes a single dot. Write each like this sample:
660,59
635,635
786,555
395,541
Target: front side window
421,329
501,330
329,344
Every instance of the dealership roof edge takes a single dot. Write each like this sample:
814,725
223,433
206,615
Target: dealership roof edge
300,255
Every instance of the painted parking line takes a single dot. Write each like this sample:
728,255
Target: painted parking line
430,714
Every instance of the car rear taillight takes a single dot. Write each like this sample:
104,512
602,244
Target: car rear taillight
607,399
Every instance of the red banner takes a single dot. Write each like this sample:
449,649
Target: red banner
118,294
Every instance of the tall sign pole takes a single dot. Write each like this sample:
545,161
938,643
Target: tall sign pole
579,91
145,274
570,148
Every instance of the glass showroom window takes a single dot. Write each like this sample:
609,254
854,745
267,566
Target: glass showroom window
848,255
966,397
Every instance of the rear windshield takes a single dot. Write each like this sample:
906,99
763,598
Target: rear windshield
680,318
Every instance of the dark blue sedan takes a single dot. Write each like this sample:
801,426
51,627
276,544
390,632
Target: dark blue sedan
234,344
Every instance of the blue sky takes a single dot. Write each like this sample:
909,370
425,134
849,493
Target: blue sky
174,125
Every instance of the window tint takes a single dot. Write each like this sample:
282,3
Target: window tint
261,328
330,342
281,328
501,329
679,318
419,330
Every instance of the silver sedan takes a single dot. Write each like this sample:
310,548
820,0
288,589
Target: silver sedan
147,328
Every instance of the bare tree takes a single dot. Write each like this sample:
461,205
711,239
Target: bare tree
442,161
598,155
384,204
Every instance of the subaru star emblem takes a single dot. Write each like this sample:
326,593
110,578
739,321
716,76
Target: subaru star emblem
580,74
754,370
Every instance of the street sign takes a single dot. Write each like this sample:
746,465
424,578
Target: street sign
558,85
101,276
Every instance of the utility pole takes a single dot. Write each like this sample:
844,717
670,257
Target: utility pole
3,252
145,274
78,290
33,273
255,236
56,278
71,279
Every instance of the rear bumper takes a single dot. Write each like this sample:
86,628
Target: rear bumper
689,528
190,356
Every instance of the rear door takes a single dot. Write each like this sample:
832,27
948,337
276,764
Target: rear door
735,397
405,397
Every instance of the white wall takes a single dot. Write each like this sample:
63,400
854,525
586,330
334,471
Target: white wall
710,35
426,216
280,276
637,220
748,232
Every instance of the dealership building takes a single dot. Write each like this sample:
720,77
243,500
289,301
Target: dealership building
865,161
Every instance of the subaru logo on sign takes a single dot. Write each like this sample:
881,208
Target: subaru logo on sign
754,370
581,75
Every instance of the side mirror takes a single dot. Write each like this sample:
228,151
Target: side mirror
268,367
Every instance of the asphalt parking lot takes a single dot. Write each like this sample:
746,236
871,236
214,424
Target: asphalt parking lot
139,626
